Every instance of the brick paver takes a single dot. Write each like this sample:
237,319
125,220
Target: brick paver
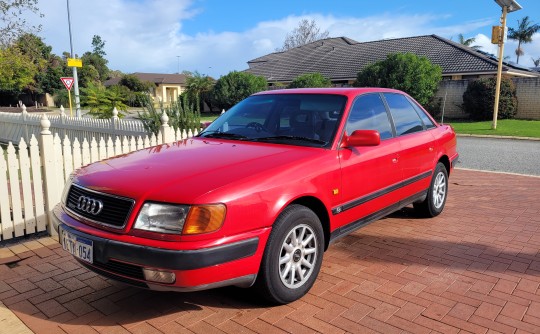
475,268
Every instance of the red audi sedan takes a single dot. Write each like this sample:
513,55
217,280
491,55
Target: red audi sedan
257,197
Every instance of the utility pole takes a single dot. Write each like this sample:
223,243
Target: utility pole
75,77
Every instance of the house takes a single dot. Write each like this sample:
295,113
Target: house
168,86
340,59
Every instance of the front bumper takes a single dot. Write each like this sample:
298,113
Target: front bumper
234,263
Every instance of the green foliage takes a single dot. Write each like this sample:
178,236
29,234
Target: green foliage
135,84
479,99
408,72
182,115
88,75
13,19
236,86
102,101
98,46
199,89
310,80
17,70
523,34
96,65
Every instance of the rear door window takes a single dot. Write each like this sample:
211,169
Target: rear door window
406,120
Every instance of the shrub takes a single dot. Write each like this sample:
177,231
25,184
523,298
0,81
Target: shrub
408,72
182,115
236,86
479,99
310,80
102,101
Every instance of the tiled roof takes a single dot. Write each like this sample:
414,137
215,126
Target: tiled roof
342,58
157,78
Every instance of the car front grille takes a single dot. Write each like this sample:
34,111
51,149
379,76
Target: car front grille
115,210
118,271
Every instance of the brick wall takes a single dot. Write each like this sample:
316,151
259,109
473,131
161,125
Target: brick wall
528,93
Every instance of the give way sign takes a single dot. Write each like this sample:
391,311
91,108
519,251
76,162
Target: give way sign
68,82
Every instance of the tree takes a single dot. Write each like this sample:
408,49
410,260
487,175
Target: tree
199,88
96,59
135,84
17,70
523,34
306,32
408,72
468,42
102,101
13,22
479,99
310,80
98,46
236,86
536,61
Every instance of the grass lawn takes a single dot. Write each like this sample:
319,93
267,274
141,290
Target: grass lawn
505,127
209,117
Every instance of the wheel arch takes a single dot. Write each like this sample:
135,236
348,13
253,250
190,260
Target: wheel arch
318,207
446,162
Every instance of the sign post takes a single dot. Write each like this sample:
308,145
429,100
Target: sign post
68,82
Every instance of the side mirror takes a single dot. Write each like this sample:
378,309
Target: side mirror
362,138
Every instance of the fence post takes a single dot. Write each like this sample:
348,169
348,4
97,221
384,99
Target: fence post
166,130
114,119
48,161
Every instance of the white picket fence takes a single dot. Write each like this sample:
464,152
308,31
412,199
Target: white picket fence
14,126
32,178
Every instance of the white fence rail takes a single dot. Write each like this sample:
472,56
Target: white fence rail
14,126
32,178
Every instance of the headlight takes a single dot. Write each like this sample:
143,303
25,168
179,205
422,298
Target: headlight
162,218
180,219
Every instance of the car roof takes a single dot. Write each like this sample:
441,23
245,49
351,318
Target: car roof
347,91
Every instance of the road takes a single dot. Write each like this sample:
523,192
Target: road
502,155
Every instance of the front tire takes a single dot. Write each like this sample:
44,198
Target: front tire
435,200
293,256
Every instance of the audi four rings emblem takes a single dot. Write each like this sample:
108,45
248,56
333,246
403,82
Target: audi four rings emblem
89,205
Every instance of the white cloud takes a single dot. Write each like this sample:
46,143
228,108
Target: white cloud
147,36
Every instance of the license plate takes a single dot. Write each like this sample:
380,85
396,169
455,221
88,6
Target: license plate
79,247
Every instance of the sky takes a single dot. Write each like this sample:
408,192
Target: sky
215,37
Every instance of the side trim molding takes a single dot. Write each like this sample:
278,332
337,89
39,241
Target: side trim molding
355,225
379,193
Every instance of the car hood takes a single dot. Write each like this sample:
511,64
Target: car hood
184,171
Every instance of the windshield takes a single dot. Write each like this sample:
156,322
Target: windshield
294,119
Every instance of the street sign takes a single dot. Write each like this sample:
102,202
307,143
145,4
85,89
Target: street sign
74,62
68,82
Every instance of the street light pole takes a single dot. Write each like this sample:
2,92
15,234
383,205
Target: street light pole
499,69
75,76
507,6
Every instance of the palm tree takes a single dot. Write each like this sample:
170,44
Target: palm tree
198,89
468,42
536,61
523,34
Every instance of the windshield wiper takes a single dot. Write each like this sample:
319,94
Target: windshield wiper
225,135
283,137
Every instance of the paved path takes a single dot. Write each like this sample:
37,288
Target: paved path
497,154
475,268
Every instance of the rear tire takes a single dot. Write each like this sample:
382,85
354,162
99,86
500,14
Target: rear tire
293,256
435,200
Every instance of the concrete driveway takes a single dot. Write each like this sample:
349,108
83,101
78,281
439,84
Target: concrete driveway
475,268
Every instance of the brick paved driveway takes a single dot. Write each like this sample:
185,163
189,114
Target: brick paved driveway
476,268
